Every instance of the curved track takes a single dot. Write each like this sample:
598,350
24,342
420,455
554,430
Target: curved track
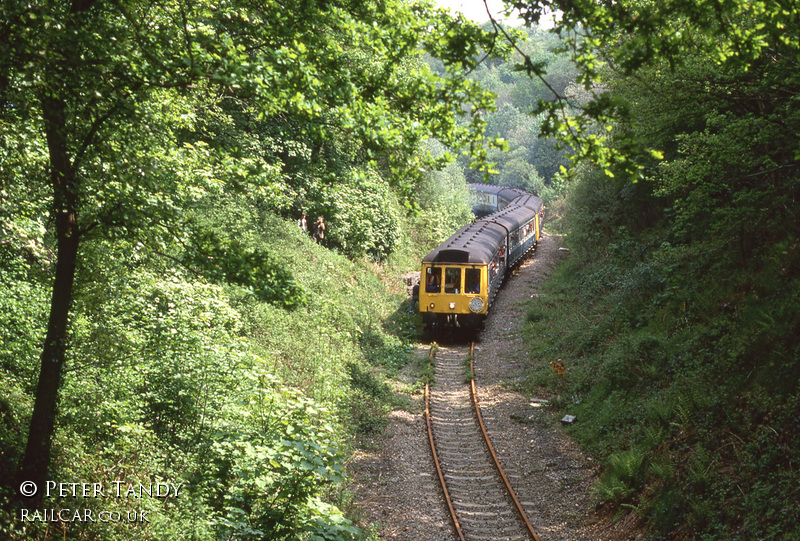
481,502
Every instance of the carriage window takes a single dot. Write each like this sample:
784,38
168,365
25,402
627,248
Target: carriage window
472,281
452,280
433,280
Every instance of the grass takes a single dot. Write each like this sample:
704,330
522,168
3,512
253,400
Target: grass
690,435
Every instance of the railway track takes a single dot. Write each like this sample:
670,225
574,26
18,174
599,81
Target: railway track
482,503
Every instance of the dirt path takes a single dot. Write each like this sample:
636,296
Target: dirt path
394,486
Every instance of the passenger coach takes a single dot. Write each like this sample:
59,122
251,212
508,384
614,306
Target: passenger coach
460,278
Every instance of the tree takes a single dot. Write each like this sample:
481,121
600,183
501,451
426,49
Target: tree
626,37
105,95
517,96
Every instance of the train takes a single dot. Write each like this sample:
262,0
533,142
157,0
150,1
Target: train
461,277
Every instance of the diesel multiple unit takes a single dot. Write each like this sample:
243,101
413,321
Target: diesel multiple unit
460,278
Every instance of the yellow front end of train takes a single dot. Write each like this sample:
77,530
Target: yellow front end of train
453,294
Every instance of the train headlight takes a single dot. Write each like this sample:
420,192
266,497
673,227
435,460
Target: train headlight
452,306
476,304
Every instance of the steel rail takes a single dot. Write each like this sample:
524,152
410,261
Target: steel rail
439,472
506,482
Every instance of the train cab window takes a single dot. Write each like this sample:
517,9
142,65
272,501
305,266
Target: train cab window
472,281
452,280
433,280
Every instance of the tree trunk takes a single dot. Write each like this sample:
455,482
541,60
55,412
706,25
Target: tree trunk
64,182
35,463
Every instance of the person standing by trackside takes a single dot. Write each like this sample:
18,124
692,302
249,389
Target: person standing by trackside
303,224
319,229
414,297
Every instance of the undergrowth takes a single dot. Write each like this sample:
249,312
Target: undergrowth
683,376
251,407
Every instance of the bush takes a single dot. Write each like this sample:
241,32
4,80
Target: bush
363,215
174,378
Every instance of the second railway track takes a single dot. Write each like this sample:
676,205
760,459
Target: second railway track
480,499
